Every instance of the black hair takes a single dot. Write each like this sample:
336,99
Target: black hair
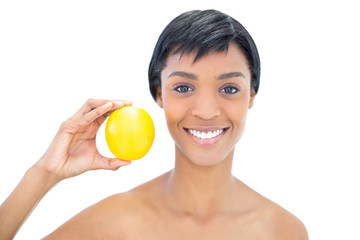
202,32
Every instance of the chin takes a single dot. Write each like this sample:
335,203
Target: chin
205,157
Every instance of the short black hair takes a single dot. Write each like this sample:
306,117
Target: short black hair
202,32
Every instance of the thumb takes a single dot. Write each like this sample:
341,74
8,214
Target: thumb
110,163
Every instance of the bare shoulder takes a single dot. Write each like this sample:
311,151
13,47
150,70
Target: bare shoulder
271,221
281,224
96,221
275,222
111,217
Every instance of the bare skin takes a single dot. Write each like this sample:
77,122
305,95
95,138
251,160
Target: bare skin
199,198
148,211
72,152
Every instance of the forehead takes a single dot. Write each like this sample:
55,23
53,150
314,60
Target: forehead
229,60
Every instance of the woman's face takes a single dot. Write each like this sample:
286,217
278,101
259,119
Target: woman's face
206,103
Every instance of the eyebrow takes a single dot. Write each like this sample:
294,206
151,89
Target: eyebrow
230,75
192,76
183,75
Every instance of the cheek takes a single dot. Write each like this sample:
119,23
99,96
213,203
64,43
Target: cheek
239,118
173,112
172,121
237,113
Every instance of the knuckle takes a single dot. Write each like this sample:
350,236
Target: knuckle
68,126
65,125
98,112
89,103
90,100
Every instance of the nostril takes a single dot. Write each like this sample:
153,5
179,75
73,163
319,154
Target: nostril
205,105
206,114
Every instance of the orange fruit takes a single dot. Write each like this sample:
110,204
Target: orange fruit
129,133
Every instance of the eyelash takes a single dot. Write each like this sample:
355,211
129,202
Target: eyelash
233,90
180,88
186,89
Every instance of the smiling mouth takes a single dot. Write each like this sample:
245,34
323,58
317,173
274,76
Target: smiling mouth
205,135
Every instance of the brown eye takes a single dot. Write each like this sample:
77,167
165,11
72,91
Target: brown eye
229,90
183,89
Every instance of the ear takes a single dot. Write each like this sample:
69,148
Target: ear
252,97
159,100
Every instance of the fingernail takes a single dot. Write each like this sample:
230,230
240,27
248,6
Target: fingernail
108,104
126,162
118,104
128,102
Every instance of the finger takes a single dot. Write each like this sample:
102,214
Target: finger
93,103
127,102
96,113
116,105
121,103
109,163
73,125
89,105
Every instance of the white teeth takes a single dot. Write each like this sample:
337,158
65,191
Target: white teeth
197,134
205,135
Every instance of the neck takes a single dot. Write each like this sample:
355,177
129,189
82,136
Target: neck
200,191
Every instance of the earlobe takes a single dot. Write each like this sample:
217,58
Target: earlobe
252,97
159,97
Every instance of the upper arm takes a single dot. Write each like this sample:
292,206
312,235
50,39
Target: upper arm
100,221
294,230
289,227
92,223
81,226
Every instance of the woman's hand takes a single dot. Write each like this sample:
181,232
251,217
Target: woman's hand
73,150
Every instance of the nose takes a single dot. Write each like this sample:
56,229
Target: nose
205,106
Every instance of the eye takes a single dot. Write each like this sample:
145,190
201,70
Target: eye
183,89
229,90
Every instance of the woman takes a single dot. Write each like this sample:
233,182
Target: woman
205,74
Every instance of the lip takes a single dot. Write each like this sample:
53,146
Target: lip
209,141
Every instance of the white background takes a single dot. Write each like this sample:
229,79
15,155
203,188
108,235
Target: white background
301,144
